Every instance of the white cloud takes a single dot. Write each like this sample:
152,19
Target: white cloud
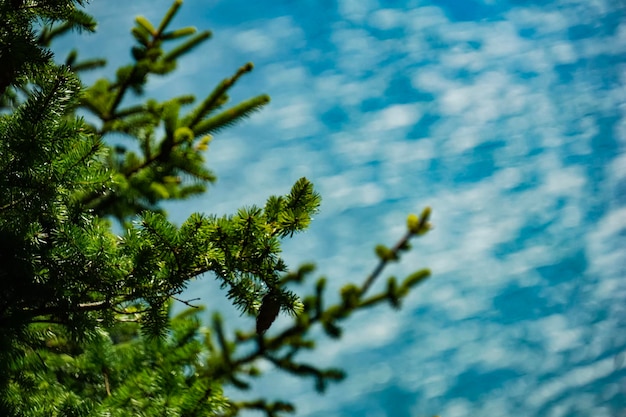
603,243
386,19
457,100
255,41
563,53
540,19
423,18
458,407
356,10
341,193
393,117
558,334
268,38
578,376
617,169
401,153
359,52
294,115
564,181
502,40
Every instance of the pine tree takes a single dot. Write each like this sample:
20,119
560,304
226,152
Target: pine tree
85,312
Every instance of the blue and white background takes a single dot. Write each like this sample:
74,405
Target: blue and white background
508,118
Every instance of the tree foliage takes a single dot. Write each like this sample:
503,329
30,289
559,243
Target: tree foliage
85,312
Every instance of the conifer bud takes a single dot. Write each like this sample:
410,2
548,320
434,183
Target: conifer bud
203,143
183,134
413,223
385,254
426,214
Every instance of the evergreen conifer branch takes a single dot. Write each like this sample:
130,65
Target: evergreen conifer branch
295,338
216,99
175,152
416,226
85,317
231,116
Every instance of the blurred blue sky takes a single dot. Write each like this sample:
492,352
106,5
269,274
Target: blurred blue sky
507,117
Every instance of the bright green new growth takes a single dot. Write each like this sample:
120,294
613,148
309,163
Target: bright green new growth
85,323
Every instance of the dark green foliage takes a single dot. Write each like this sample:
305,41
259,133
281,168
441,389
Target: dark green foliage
118,372
85,312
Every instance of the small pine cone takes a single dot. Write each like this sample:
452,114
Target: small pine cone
267,313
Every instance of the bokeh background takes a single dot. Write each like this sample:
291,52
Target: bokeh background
508,118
